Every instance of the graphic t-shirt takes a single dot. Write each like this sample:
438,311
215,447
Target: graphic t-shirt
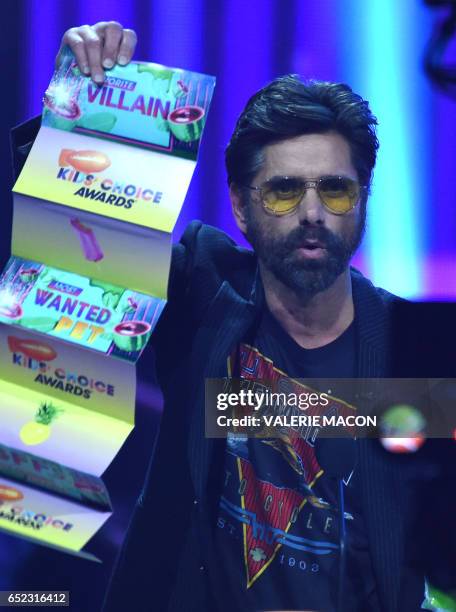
277,536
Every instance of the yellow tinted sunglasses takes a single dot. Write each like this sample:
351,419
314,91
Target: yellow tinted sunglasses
282,195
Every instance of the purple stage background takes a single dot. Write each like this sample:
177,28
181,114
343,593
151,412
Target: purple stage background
376,46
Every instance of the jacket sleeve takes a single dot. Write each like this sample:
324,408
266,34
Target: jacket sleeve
160,530
175,327
21,140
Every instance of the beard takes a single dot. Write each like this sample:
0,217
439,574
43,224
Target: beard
308,277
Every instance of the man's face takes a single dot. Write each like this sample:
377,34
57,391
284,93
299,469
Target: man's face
286,245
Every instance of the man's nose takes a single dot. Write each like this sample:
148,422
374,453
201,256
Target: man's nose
310,209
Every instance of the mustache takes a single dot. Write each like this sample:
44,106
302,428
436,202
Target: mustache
319,234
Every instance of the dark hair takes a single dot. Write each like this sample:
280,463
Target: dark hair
288,107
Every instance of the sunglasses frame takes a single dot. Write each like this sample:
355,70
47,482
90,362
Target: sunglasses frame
308,184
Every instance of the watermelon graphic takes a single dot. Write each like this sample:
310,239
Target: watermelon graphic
132,336
186,122
29,275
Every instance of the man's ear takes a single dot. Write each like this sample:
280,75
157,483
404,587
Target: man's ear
238,206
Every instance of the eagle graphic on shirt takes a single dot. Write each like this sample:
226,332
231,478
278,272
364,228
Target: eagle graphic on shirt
268,510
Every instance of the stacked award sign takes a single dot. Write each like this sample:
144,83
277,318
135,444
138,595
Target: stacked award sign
94,208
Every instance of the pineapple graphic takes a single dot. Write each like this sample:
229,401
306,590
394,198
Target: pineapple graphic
38,431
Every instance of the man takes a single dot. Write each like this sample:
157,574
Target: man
299,166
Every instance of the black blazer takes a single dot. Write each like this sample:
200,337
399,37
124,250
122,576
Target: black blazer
214,298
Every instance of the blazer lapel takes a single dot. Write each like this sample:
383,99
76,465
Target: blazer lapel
371,319
228,319
382,488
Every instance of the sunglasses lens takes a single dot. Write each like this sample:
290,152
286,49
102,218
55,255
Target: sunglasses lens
339,194
282,196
